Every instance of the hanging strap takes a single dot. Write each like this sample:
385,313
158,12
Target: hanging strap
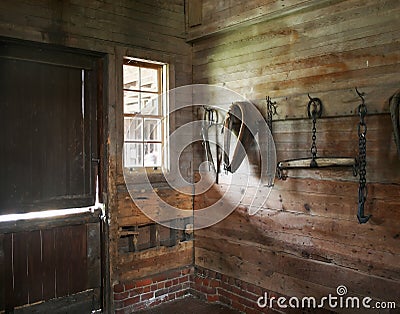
241,122
395,115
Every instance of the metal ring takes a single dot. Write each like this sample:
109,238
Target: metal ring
317,108
362,129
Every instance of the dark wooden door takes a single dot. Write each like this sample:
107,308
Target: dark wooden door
51,265
49,115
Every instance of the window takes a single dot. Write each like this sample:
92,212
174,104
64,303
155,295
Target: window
49,122
144,111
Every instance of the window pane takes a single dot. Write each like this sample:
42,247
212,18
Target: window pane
131,77
133,128
131,102
149,80
152,156
150,103
152,129
133,155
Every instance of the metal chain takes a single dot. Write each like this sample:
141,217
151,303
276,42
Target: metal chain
271,110
270,149
362,160
314,113
314,149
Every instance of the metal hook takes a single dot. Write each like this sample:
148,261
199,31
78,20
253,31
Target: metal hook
361,95
362,108
317,110
362,219
271,105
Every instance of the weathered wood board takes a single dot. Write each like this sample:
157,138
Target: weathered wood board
306,239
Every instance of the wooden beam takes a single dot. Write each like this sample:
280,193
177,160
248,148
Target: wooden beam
230,25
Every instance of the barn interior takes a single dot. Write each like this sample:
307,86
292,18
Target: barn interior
242,154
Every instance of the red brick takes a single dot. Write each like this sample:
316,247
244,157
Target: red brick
249,303
160,285
185,271
119,288
206,282
153,287
121,296
137,291
250,296
225,300
147,296
228,295
160,292
236,290
208,290
131,301
198,281
170,297
133,293
154,302
120,311
186,285
168,283
146,289
144,282
183,279
129,286
175,281
180,294
214,283
255,289
175,288
212,298
225,285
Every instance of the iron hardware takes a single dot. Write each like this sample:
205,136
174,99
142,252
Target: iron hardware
362,160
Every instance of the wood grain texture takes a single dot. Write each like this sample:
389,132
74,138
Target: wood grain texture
152,30
154,261
49,263
306,240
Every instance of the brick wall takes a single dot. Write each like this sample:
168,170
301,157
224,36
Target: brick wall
148,292
212,286
202,283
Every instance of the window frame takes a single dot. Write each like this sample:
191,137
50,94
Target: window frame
162,84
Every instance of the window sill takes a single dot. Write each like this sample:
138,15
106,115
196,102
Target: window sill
142,175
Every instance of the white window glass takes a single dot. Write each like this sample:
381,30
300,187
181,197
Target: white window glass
133,155
144,123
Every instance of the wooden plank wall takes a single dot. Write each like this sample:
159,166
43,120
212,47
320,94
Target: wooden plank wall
152,30
306,241
42,263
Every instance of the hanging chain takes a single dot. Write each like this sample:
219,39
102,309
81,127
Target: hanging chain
314,113
271,110
362,160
